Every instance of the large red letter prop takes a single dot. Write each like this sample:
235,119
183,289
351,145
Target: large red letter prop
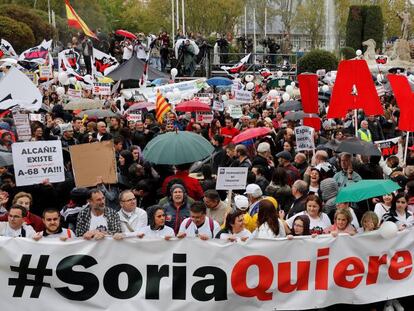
405,100
308,85
350,73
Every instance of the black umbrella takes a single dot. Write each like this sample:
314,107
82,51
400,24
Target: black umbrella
290,105
299,115
357,146
332,145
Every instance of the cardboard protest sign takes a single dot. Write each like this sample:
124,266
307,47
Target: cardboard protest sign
23,129
38,160
92,160
304,138
388,147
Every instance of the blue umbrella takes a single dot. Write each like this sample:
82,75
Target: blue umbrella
160,81
217,81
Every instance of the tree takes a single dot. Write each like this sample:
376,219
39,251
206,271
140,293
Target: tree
17,33
317,59
374,25
40,28
310,19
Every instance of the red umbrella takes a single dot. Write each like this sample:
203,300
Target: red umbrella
141,105
126,34
192,106
250,134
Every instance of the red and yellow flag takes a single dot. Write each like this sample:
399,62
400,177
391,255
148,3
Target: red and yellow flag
161,107
75,21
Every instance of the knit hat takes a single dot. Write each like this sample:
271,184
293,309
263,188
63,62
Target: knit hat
175,186
329,188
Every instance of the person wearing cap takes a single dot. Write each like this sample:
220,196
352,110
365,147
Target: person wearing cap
67,135
177,208
285,159
241,203
263,159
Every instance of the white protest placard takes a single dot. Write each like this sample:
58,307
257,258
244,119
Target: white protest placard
21,121
134,117
36,117
236,112
304,138
244,96
101,89
218,106
231,178
37,160
235,86
45,72
204,116
204,99
74,93
32,76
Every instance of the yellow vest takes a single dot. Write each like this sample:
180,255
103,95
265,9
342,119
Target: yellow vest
364,136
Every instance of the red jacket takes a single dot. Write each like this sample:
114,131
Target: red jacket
192,185
228,134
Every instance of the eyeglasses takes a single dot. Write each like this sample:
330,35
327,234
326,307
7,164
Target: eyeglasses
130,200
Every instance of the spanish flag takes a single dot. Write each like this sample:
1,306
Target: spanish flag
75,21
161,107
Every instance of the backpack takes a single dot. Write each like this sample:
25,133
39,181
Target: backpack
210,222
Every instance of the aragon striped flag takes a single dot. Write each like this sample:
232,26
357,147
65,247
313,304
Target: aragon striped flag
75,21
161,107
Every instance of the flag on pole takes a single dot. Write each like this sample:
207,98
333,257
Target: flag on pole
38,54
102,63
75,21
7,50
161,107
240,66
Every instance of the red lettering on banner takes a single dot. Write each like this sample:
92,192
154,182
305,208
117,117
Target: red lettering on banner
348,272
322,268
284,282
404,98
239,277
405,264
374,262
308,85
354,73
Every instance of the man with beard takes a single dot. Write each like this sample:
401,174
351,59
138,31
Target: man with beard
96,220
53,229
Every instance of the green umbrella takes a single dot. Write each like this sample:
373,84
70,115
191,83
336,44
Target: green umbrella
278,83
177,148
366,189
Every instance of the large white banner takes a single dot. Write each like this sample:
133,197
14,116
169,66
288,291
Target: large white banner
204,275
36,161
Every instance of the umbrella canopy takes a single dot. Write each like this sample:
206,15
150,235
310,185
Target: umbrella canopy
366,189
98,113
192,106
250,134
133,70
356,146
176,148
160,81
6,159
181,41
278,83
83,104
299,115
323,98
332,144
219,81
141,105
290,105
126,34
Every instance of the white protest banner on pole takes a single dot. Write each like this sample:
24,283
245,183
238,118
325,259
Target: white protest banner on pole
74,93
231,178
23,129
304,138
37,117
388,147
212,275
204,99
236,112
218,106
45,72
204,116
244,96
134,117
101,89
37,160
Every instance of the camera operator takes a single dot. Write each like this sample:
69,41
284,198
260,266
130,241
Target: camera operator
187,53
127,50
140,48
223,45
273,48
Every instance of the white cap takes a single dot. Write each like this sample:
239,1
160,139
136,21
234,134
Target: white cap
254,190
241,202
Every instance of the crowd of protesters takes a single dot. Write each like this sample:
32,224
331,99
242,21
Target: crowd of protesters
289,193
